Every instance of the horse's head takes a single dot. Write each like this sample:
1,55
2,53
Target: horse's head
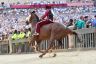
32,18
27,19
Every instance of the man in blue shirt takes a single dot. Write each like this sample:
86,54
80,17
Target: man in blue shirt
93,22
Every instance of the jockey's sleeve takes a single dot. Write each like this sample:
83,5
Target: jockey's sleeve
46,14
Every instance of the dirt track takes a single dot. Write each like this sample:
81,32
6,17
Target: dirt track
81,57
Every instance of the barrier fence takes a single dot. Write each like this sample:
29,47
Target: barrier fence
87,35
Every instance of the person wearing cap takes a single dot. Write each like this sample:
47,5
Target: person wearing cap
47,18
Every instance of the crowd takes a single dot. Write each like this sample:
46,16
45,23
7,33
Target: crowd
47,1
15,19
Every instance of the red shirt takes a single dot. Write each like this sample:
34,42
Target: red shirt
46,14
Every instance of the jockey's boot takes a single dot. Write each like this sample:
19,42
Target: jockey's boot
36,35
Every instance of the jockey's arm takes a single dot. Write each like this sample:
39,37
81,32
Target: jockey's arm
46,14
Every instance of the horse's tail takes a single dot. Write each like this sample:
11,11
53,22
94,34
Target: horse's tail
74,33
78,36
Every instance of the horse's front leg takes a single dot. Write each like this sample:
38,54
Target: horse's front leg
57,46
36,47
50,46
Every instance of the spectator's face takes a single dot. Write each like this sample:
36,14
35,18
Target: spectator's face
82,18
86,19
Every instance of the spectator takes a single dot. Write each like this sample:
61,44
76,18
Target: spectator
86,19
71,24
15,35
93,22
21,35
79,24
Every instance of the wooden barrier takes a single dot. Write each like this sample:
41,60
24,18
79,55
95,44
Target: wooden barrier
88,37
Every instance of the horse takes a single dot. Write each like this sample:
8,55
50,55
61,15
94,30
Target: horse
53,31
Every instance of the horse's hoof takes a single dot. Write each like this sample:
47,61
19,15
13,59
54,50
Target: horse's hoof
40,56
50,51
54,55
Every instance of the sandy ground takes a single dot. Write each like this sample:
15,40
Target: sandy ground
81,57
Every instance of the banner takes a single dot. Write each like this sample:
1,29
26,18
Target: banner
37,6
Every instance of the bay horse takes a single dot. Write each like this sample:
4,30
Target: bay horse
53,31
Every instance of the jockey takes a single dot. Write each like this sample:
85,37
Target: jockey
47,18
48,14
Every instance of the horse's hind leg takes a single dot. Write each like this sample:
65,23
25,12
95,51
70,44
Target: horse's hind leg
59,43
57,46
